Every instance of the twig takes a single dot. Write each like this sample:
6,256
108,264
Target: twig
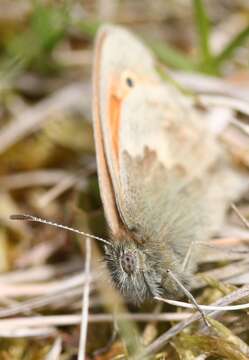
240,279
85,303
54,353
224,242
40,302
208,84
17,290
33,178
69,320
38,254
240,125
62,186
228,249
39,273
204,307
225,101
225,273
235,231
241,217
27,332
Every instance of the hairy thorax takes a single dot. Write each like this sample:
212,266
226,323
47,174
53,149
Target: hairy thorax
139,272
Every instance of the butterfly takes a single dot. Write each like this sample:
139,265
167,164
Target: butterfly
158,169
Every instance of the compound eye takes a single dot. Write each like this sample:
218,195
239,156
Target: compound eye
128,262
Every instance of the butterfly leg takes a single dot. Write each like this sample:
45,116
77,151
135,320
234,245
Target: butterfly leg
187,256
188,294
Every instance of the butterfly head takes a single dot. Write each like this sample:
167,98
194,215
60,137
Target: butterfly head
134,271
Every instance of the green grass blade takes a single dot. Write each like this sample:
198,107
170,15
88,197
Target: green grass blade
233,45
172,57
89,27
202,24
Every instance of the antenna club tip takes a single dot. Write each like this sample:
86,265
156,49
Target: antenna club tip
19,217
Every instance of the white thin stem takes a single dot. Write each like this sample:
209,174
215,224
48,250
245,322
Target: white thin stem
40,302
16,290
225,101
26,332
240,125
241,217
57,190
207,84
85,304
219,248
204,307
55,352
69,320
33,178
41,273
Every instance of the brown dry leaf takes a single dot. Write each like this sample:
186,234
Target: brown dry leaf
229,336
211,345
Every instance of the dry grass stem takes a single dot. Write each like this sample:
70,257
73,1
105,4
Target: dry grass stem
17,290
55,352
85,303
69,320
206,84
226,102
241,217
33,178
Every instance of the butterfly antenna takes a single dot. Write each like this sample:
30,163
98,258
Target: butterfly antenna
32,218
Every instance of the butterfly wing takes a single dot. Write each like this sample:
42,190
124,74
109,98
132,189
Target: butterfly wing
156,156
114,46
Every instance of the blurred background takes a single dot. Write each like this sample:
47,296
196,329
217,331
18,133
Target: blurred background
47,157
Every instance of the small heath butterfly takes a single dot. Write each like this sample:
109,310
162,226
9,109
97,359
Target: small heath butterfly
148,140
158,170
